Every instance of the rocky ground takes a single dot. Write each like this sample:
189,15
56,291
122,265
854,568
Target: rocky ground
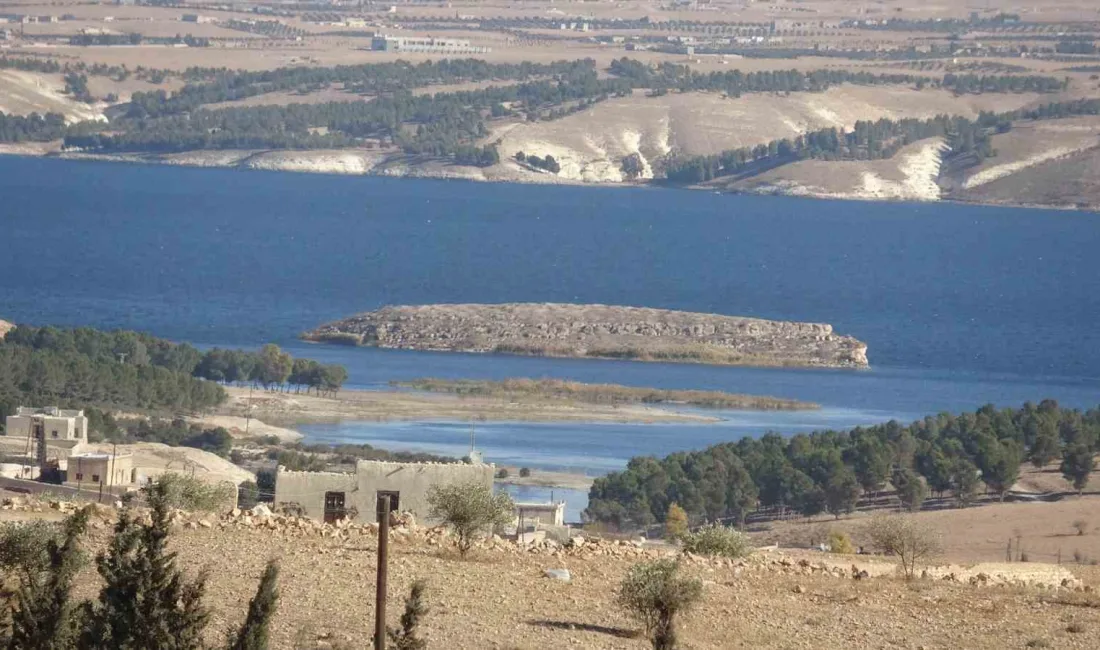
600,331
502,598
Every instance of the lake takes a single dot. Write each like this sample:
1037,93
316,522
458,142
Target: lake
960,305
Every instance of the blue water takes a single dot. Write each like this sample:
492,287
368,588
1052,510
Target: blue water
960,305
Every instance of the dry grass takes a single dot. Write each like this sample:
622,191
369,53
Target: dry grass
556,389
328,591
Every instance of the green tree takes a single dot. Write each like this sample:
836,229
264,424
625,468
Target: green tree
964,481
871,464
42,614
911,489
655,593
261,609
145,602
273,366
1077,465
470,509
1045,447
405,637
842,493
1000,465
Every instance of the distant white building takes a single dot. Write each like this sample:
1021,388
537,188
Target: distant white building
56,424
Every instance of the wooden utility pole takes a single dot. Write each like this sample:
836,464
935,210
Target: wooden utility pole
383,562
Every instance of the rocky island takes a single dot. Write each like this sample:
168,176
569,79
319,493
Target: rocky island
598,331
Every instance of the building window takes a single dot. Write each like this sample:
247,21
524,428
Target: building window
95,478
79,476
55,433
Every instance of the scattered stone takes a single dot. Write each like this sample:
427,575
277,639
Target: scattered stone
559,574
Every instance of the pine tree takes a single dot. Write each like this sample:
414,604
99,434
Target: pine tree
145,603
415,608
253,634
42,616
1077,464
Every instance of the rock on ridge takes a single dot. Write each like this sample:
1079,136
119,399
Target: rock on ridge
598,331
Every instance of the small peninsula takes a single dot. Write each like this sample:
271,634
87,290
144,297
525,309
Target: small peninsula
598,331
573,391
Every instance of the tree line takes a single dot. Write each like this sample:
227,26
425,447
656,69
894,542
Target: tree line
84,367
735,83
828,471
868,140
366,79
32,128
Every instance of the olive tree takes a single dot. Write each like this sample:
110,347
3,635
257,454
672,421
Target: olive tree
902,536
470,508
655,592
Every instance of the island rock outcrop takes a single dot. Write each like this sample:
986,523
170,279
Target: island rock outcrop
598,331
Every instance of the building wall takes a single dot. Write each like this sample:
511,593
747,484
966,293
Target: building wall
547,514
410,480
65,425
93,470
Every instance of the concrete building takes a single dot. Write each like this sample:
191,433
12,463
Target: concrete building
423,44
540,514
334,495
57,426
197,18
106,470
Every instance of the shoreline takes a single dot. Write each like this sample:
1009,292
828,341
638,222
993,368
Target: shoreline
28,151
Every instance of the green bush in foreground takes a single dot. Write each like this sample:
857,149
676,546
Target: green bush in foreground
716,539
23,545
654,592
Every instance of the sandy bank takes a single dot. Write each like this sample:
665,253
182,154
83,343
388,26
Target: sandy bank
289,409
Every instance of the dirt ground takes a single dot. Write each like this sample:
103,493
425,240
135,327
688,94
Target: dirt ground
1044,531
501,599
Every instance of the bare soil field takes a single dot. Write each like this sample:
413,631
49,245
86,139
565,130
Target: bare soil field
22,93
501,599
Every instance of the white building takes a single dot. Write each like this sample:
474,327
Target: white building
57,424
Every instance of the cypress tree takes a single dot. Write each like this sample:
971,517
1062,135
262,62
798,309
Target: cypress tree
253,634
42,616
415,608
146,603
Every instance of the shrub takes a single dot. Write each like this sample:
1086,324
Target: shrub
902,536
248,495
715,539
655,593
840,542
1082,526
404,638
41,613
524,472
1075,628
502,473
676,522
469,508
23,545
189,493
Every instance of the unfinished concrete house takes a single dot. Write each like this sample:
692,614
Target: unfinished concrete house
334,495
